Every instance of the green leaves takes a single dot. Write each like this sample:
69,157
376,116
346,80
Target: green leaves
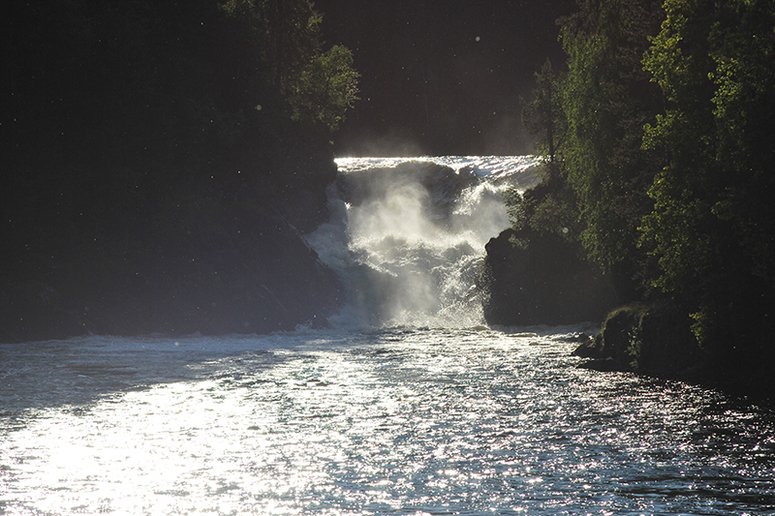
326,88
542,115
606,98
715,64
589,121
712,227
666,118
318,86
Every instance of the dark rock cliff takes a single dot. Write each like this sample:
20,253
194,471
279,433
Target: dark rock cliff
648,339
531,278
153,178
215,258
656,339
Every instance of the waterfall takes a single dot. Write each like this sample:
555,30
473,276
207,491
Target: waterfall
407,235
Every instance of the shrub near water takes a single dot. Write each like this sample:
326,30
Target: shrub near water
651,339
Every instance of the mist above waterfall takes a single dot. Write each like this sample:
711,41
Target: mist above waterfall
407,235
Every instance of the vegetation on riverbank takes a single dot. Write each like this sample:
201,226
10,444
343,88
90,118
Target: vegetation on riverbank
157,153
658,136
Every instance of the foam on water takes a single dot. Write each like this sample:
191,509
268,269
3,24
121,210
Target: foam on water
495,167
407,235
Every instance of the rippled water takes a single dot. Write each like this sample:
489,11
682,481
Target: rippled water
464,421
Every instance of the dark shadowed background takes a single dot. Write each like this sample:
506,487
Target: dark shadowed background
442,77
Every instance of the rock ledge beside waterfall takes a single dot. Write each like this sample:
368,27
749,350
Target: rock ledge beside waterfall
531,278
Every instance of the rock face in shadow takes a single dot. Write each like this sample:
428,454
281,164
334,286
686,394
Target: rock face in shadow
166,190
532,278
648,339
657,340
259,277
216,257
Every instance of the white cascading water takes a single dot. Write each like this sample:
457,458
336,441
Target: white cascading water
407,235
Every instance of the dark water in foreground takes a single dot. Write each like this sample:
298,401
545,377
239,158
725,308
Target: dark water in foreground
394,421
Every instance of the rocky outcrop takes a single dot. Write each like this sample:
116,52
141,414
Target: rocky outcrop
300,171
252,274
222,253
655,340
531,278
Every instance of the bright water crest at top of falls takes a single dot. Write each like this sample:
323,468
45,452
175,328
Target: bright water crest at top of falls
406,405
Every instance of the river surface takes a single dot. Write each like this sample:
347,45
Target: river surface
391,421
407,404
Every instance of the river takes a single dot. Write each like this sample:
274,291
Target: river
408,404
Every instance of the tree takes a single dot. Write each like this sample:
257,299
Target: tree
542,114
712,224
286,32
318,87
743,52
549,208
606,98
679,227
325,90
667,148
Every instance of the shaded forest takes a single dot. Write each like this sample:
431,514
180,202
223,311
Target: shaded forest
658,133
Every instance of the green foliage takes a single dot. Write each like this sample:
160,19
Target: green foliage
702,326
318,86
606,99
676,230
515,207
542,115
712,223
287,33
548,208
743,51
589,121
668,119
326,89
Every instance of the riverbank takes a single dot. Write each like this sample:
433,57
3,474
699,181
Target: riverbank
532,278
656,340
